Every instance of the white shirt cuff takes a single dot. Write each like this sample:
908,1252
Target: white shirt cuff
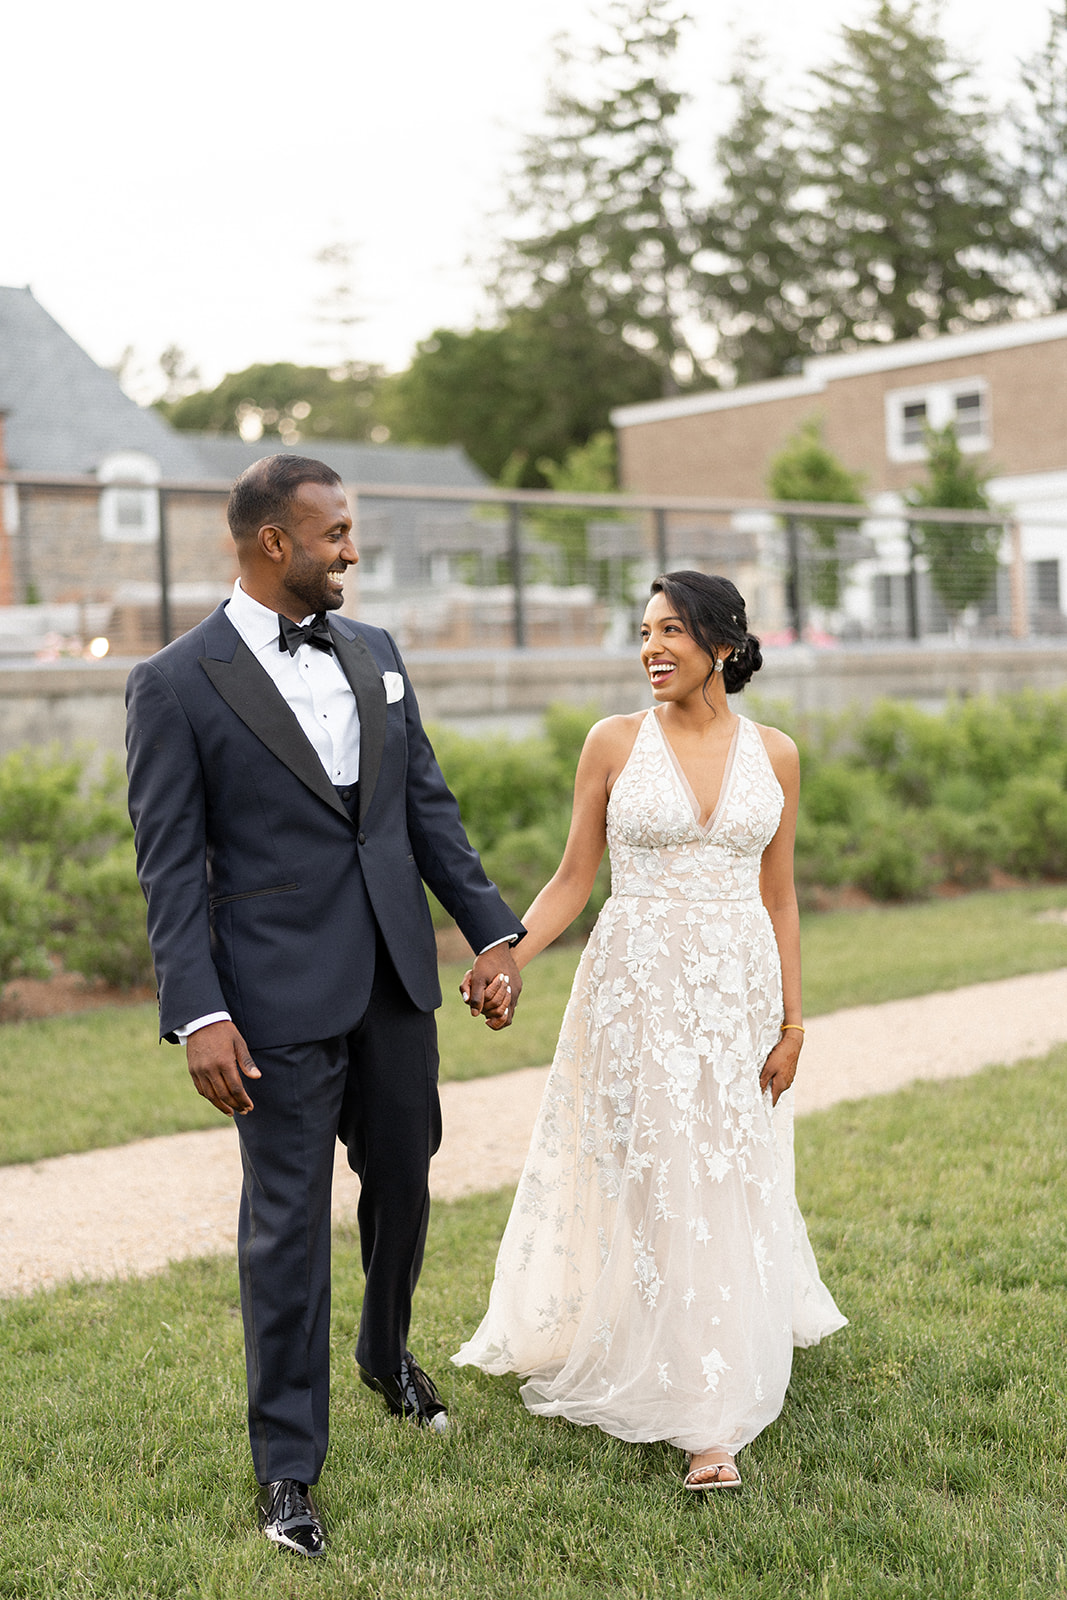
508,938
182,1034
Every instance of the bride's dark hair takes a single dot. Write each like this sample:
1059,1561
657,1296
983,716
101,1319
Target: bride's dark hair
714,615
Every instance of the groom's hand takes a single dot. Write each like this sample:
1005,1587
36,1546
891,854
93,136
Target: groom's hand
492,987
218,1057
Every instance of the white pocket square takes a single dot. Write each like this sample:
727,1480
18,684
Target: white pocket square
394,686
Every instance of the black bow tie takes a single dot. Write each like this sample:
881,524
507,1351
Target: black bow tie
292,634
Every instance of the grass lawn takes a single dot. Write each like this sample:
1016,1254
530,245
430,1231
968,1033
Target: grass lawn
922,1451
99,1078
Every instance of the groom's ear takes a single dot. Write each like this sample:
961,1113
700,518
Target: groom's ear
274,542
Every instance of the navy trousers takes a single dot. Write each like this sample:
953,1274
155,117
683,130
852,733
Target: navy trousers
375,1089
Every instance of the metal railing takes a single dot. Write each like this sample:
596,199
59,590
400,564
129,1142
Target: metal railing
529,568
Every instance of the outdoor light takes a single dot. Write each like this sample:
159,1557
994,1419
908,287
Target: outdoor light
98,648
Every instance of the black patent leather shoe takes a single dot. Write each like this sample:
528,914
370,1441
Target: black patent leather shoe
290,1518
410,1395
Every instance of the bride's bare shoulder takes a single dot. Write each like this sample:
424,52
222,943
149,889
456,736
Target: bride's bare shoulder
609,743
614,734
783,753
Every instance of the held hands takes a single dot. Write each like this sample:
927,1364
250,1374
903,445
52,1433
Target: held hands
492,987
217,1056
780,1067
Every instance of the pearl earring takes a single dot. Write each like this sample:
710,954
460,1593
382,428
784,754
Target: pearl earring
718,665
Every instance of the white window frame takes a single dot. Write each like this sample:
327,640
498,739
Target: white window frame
130,477
940,400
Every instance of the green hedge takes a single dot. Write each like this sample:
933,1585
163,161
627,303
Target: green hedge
67,883
894,801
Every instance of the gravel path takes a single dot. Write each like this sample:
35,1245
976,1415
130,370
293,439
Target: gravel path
130,1210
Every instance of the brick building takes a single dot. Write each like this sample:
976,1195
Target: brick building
1004,387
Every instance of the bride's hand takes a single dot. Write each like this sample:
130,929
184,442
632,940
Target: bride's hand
496,1000
780,1067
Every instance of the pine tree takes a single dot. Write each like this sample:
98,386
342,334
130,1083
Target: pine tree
912,228
605,207
757,285
1042,174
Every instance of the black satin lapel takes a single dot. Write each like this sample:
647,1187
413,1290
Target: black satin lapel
363,674
251,693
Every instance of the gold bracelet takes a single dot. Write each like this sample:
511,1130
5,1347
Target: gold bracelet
795,1025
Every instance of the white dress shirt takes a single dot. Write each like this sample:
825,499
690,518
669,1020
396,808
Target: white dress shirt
312,682
314,685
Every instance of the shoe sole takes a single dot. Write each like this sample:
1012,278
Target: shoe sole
277,1537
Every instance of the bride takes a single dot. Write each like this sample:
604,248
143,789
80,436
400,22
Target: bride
655,1272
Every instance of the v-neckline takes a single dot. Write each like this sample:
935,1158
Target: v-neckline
704,828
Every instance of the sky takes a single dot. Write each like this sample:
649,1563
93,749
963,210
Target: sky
171,172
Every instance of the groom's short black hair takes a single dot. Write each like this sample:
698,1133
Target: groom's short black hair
264,491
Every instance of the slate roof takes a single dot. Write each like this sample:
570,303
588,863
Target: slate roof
64,413
408,465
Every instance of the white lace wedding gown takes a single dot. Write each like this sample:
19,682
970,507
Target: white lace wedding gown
655,1272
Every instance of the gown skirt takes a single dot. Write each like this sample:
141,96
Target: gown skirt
655,1272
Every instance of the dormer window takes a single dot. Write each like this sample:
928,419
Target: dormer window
908,413
129,506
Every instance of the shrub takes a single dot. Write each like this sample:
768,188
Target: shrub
27,910
962,793
522,864
908,749
821,858
68,845
968,845
47,807
502,785
566,728
515,799
102,934
1033,815
1011,735
840,795
894,863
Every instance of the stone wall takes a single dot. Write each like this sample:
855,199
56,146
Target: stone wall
80,704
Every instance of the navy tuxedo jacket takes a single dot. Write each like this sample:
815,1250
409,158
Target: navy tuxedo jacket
263,894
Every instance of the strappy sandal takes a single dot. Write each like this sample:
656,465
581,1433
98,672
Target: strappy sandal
709,1476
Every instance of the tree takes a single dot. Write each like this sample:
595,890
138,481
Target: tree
1041,128
806,469
182,377
586,469
962,556
291,402
542,381
605,207
911,226
757,283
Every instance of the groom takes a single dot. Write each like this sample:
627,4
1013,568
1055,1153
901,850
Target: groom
287,806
